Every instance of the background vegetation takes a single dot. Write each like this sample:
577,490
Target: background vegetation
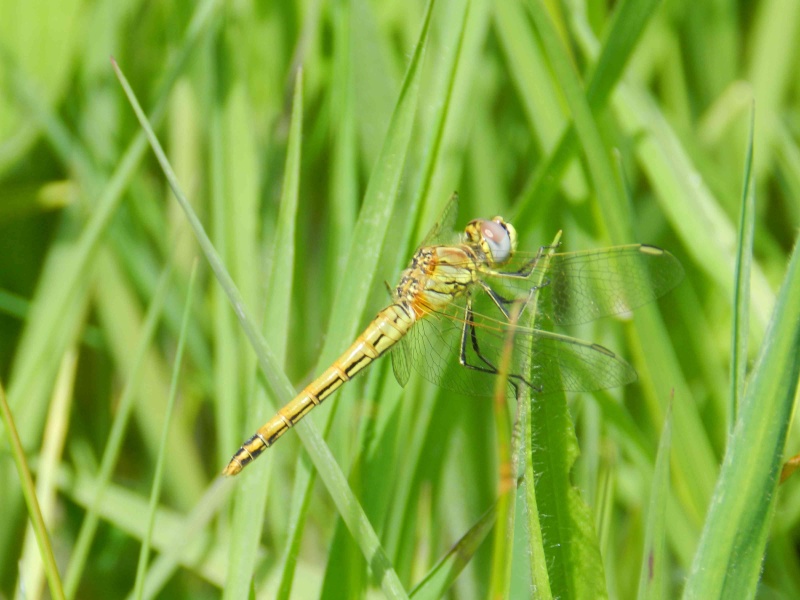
317,141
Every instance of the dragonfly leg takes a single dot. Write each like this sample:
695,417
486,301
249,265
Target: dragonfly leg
525,270
462,357
489,368
501,302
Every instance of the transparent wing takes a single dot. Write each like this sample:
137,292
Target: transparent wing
578,287
401,361
584,286
433,347
443,231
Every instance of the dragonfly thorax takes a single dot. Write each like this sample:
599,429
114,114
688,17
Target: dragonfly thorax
436,276
496,239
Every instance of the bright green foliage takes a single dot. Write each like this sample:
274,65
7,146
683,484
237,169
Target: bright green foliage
313,144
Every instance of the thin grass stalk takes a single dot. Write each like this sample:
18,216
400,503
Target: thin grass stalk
155,492
29,492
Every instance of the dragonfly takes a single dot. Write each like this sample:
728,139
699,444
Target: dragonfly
458,302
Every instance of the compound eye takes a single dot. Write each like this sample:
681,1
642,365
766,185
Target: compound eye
498,241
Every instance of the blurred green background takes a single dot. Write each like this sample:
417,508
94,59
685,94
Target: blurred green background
313,195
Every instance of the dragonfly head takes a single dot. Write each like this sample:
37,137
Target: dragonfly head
496,238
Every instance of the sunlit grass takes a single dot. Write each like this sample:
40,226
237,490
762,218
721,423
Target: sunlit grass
316,143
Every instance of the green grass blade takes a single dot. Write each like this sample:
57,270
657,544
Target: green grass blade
29,492
575,567
59,303
251,497
114,443
653,574
622,34
440,578
369,233
188,545
182,541
741,294
508,456
607,189
539,555
52,453
629,21
729,558
155,492
280,386
561,531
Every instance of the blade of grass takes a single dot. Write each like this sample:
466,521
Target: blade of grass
440,578
729,557
543,105
344,164
558,534
121,315
362,261
116,436
609,195
775,27
31,577
60,297
696,460
29,492
155,492
741,291
630,19
280,386
192,538
503,545
537,552
185,541
251,496
653,574
227,381
571,551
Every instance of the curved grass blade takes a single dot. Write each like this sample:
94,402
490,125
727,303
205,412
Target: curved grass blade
281,388
729,557
29,492
441,577
49,460
538,556
362,261
562,537
115,438
741,291
653,574
251,498
155,492
629,21
695,463
508,460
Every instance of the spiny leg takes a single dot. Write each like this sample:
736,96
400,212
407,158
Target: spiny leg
462,357
503,303
489,368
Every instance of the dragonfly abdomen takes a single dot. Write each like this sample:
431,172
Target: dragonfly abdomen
391,324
